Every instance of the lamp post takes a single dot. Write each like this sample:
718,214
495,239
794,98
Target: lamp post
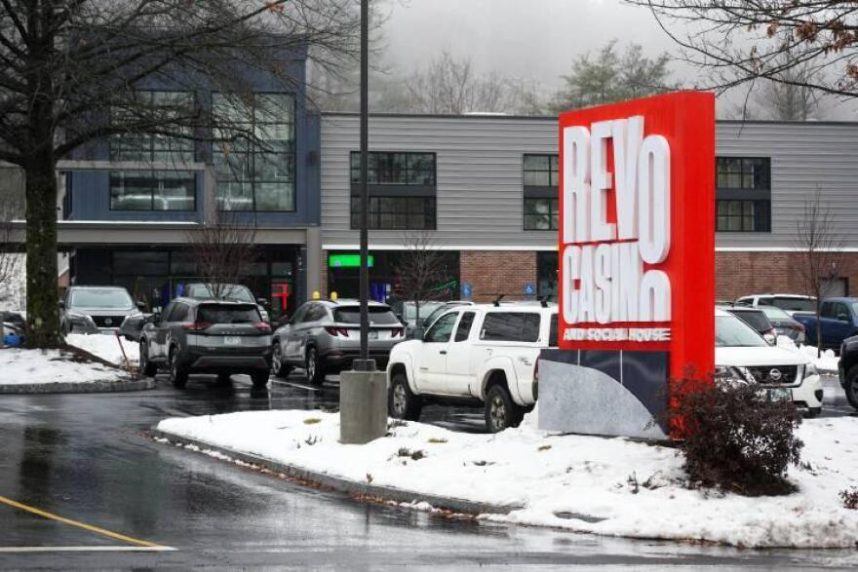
363,390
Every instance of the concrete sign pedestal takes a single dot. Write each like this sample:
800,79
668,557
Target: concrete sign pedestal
363,406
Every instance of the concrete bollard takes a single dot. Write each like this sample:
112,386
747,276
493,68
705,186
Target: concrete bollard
363,406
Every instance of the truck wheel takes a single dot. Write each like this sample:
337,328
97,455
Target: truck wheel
178,374
260,378
501,411
851,386
401,401
279,368
147,368
315,367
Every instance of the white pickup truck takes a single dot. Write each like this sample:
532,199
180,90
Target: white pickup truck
483,353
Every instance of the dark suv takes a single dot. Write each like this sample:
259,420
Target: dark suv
207,336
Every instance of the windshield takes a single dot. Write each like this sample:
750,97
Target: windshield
235,292
111,298
378,315
228,314
426,308
795,304
775,313
754,318
732,332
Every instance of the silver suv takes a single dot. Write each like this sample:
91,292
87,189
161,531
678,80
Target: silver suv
323,337
96,309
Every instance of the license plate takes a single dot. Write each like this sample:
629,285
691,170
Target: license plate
232,341
372,335
779,394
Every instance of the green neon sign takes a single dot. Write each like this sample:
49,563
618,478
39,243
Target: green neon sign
348,261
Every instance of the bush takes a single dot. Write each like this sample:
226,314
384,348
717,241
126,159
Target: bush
850,498
736,440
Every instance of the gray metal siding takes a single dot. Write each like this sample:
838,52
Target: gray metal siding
480,187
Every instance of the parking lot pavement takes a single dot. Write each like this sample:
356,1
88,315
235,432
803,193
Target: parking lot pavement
834,404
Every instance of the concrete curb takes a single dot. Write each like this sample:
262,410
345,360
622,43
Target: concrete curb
341,485
90,387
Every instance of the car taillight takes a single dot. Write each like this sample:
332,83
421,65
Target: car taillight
396,332
196,326
262,327
334,331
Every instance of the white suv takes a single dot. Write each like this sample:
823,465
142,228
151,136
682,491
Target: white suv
742,354
482,353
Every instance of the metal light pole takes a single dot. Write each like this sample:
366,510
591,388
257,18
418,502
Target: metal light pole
364,364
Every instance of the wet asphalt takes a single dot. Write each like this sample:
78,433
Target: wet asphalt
90,458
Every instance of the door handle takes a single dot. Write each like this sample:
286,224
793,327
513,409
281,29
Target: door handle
443,352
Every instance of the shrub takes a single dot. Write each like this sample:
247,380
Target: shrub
734,439
850,498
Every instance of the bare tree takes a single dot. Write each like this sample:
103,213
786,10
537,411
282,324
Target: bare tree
821,251
224,250
449,85
72,71
741,41
421,271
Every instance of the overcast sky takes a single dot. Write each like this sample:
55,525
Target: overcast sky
531,39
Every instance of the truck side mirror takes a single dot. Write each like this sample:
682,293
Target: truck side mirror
843,317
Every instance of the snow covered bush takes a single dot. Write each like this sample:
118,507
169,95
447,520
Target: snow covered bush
736,440
850,498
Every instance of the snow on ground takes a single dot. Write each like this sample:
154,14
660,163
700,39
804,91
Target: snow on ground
826,363
19,366
609,486
106,346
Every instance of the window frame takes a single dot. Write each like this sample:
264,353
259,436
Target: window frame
355,182
430,216
751,197
553,214
252,151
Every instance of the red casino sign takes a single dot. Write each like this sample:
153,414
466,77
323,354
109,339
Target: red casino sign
637,240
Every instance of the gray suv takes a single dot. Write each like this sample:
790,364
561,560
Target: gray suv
323,337
207,336
95,309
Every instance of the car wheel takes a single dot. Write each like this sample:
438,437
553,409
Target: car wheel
851,386
178,374
260,378
501,411
315,368
279,368
147,368
401,401
813,412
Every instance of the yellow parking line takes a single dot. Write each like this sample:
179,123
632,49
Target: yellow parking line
78,524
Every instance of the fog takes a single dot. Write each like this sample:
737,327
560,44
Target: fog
535,39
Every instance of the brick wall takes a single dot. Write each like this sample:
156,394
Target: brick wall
493,272
741,273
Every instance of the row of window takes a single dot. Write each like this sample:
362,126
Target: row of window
253,155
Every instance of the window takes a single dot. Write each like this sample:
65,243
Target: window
541,214
552,332
463,331
442,329
148,190
378,316
255,177
152,191
743,194
228,314
383,168
743,216
401,190
510,327
541,171
180,313
316,313
397,213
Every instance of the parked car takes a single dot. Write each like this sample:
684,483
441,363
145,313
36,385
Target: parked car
13,328
757,319
234,292
323,336
207,336
838,319
742,355
784,324
481,354
96,309
788,302
848,369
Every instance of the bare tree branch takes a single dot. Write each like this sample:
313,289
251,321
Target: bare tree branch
421,270
224,250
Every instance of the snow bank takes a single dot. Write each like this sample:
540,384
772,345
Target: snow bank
106,346
19,366
826,363
609,486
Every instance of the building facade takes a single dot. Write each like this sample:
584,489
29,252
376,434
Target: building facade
484,190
